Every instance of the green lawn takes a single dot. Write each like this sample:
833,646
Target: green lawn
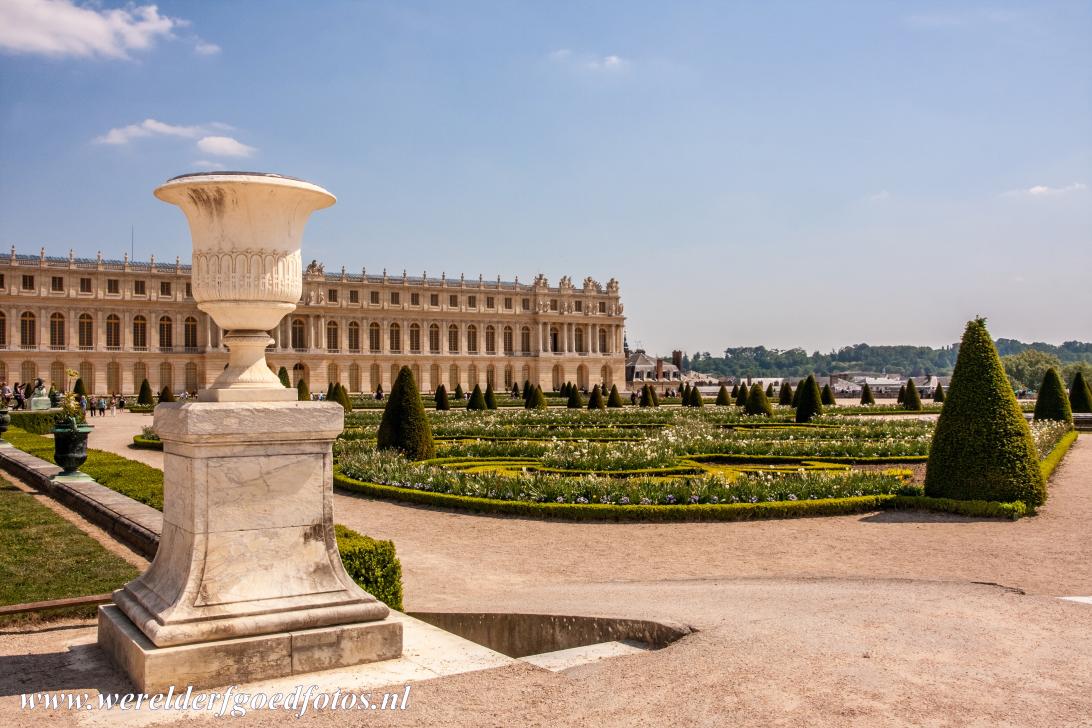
43,556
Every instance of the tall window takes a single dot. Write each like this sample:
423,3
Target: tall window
86,327
508,343
3,331
299,337
453,338
434,340
28,330
471,339
56,331
166,333
525,340
373,336
578,337
603,348
332,336
189,334
396,337
113,335
113,377
490,340
415,338
354,345
140,333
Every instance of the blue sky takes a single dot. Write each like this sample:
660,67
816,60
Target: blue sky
812,174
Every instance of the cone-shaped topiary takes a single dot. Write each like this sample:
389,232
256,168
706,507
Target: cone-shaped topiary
982,447
165,394
303,394
459,394
443,404
655,395
330,392
684,395
735,391
646,397
538,399
902,395
343,398
827,396
696,398
1053,402
576,401
566,389
757,401
515,391
1080,395
938,393
784,396
911,400
282,374
796,393
769,390
379,392
595,400
80,390
809,402
490,397
866,395
723,399
145,396
405,425
614,401
741,396
477,399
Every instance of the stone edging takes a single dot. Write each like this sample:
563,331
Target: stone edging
133,523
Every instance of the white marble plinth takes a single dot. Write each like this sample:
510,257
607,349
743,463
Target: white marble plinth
244,659
248,544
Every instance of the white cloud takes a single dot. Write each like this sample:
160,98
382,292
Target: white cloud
208,164
147,128
60,28
957,19
588,62
222,146
204,48
879,196
1045,191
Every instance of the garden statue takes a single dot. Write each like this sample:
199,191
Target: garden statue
39,400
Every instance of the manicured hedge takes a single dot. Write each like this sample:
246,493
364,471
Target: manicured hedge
147,443
38,423
1051,461
141,409
372,564
972,508
732,458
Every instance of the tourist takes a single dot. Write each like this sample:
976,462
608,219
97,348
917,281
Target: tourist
102,406
5,394
18,395
113,405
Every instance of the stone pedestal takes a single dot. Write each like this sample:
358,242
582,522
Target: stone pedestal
247,551
40,404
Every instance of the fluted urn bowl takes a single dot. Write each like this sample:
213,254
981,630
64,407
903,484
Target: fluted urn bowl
247,275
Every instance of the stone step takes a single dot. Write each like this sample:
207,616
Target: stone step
575,656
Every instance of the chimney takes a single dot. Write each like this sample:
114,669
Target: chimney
659,370
676,359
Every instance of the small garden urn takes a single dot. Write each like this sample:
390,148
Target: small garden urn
5,420
70,446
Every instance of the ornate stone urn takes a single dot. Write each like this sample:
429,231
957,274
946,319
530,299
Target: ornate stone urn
248,581
70,446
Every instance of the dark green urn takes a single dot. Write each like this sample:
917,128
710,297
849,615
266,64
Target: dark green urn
55,398
70,447
5,420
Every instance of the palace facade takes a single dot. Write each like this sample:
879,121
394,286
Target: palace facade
118,322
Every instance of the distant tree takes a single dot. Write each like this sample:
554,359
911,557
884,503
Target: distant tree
1080,395
282,374
911,400
938,393
145,396
405,426
757,401
827,396
1053,402
165,394
866,395
1027,368
785,395
442,402
595,400
303,394
723,399
490,397
614,401
809,403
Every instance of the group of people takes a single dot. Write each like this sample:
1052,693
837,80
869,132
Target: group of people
16,396
98,405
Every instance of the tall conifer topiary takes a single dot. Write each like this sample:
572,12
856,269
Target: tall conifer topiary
796,393
735,391
459,394
696,398
490,397
655,395
575,401
982,446
646,397
902,395
405,425
757,401
809,402
330,392
477,399
614,401
282,374
1080,395
827,396
595,400
938,393
80,390
866,395
442,402
1053,402
343,398
723,399
741,396
538,399
769,390
784,395
911,400
145,396
515,391
165,394
303,394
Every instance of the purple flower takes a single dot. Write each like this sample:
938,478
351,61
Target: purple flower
561,499
624,501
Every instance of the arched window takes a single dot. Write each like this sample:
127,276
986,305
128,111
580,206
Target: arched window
525,340
140,335
604,342
28,331
508,377
395,338
490,340
86,326
140,373
332,336
299,373
354,372
191,377
394,374
113,336
166,334
189,337
373,340
374,377
579,339
491,376
434,340
28,371
415,338
87,374
298,333
3,372
453,376
354,346
3,333
113,378
508,343
471,376
56,331
332,374
434,376
166,376
453,339
471,339
56,375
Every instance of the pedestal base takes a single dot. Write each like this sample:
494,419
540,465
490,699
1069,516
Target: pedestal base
233,661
